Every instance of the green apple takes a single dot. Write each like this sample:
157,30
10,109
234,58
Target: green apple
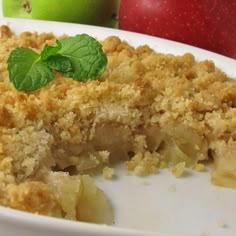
93,12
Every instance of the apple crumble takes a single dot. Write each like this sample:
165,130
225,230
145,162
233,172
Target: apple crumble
149,110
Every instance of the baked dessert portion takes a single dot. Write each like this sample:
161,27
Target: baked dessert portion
148,110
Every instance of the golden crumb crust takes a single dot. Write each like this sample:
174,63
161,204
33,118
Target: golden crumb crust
149,109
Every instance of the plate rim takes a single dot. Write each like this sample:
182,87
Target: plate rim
200,54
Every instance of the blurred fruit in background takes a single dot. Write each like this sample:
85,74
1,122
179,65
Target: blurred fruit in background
208,24
92,12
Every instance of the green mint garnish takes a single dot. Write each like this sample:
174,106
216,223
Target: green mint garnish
54,60
86,56
60,63
26,70
80,57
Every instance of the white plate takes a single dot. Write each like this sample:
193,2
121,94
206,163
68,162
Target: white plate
142,206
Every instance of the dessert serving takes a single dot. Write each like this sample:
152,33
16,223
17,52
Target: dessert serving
147,109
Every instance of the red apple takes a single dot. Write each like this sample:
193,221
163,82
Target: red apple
208,24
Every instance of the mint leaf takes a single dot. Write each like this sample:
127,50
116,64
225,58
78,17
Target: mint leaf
56,61
86,55
26,70
80,57
49,51
60,63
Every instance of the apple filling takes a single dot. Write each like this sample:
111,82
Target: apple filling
148,110
224,163
114,143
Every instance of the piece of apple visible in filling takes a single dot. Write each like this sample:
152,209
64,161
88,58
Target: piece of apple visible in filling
93,12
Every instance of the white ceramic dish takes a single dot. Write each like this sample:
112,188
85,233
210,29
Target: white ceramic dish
142,206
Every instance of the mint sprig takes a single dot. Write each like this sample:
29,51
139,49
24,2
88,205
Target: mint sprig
80,57
26,70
